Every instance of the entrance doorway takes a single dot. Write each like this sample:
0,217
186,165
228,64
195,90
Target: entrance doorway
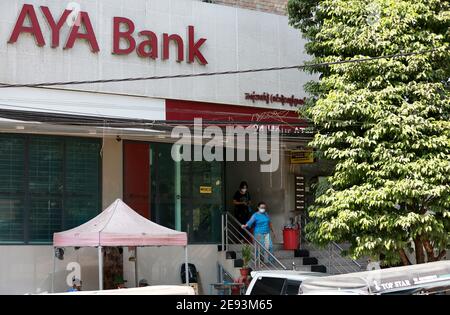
186,196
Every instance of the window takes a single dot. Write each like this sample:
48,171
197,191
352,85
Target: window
47,185
268,286
12,188
291,287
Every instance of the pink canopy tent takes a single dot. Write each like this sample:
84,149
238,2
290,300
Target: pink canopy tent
119,225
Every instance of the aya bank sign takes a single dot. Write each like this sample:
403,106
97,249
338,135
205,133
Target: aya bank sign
125,40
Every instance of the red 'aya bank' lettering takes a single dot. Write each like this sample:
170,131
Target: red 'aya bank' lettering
35,29
147,48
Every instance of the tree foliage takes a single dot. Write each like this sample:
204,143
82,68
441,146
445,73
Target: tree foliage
385,123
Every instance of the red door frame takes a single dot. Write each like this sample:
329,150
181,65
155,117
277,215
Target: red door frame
136,186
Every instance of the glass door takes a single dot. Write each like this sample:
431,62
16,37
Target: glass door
187,196
202,200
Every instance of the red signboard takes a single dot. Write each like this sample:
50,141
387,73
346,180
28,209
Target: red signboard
224,115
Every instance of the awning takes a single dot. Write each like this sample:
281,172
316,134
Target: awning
119,225
82,104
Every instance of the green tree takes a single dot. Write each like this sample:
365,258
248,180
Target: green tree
385,123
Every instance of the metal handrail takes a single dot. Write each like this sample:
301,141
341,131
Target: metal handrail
341,250
257,262
332,244
225,237
257,242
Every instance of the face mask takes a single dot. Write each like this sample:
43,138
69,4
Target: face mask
244,190
262,210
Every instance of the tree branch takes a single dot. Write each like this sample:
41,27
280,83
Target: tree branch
404,257
441,255
430,250
420,255
422,209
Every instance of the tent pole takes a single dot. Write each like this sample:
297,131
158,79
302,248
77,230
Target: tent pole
186,265
136,267
54,269
178,189
100,268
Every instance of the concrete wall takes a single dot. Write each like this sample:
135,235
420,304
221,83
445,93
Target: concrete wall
271,6
112,181
161,265
236,39
28,269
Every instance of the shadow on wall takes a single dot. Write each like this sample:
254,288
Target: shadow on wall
162,265
268,187
277,189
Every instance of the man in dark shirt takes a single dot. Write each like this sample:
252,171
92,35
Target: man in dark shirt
242,202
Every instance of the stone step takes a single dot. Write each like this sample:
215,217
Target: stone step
324,255
277,253
311,268
340,267
319,268
230,255
299,268
284,253
278,246
299,261
238,263
288,262
301,253
310,261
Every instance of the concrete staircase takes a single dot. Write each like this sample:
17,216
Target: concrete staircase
300,260
334,261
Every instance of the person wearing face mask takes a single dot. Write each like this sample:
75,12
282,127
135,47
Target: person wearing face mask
242,202
262,228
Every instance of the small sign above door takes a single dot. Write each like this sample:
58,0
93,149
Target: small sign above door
305,156
205,189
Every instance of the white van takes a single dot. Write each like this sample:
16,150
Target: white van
278,282
422,279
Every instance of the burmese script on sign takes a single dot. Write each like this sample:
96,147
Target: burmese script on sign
275,98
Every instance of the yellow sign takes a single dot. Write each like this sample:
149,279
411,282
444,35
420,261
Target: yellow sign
302,156
205,189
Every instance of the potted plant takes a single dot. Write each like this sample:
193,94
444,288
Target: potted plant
246,257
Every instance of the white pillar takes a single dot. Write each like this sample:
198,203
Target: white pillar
178,189
54,269
100,268
186,265
136,278
223,233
